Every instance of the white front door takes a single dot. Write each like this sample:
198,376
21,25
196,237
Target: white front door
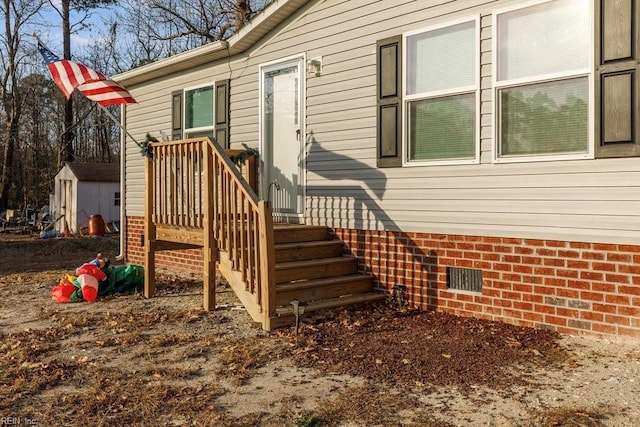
282,140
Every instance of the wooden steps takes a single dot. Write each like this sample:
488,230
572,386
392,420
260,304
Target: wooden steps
312,269
295,233
315,269
267,265
285,316
299,251
320,289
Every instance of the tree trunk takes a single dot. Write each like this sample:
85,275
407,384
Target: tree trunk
10,137
67,151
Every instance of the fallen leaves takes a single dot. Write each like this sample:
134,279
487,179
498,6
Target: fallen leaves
242,357
425,347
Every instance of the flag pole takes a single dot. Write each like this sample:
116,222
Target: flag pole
116,121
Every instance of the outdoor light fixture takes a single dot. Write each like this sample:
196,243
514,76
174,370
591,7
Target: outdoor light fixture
298,310
314,66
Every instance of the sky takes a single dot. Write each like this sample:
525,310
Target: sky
51,29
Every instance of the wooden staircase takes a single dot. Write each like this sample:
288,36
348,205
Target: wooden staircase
313,269
197,198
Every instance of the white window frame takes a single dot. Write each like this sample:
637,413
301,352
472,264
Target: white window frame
497,85
475,89
186,131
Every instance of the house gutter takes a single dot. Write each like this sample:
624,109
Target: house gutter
123,151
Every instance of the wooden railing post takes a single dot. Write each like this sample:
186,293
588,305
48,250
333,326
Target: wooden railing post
267,264
149,231
209,248
251,173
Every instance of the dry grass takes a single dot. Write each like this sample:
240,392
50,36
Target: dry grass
572,417
371,405
241,358
37,382
116,397
131,361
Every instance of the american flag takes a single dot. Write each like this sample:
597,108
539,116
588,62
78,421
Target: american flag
106,92
70,75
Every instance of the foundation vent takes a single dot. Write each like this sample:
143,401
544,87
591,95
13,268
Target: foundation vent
464,279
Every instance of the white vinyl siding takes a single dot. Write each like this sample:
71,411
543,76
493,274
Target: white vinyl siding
578,200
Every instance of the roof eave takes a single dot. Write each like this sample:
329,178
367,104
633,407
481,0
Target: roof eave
247,36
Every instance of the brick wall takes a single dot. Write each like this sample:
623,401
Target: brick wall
184,261
567,286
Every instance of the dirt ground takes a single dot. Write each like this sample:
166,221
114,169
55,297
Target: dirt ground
127,360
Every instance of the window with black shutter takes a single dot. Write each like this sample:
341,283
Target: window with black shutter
176,115
617,78
222,113
201,111
389,105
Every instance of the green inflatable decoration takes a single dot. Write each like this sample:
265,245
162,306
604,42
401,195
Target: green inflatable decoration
122,278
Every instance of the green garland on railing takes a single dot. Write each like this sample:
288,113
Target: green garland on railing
145,150
244,155
145,147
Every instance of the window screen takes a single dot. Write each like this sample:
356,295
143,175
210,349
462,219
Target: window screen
441,90
199,107
543,78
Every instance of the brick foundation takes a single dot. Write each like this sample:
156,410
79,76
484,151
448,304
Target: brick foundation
567,286
185,261
579,288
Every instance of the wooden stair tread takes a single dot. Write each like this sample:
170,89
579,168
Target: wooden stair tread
304,284
294,227
290,233
321,288
334,302
313,262
312,243
298,251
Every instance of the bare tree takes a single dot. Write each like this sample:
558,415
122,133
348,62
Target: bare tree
17,14
37,150
237,14
134,31
38,128
162,28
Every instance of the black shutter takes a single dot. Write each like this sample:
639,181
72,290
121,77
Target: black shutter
389,105
221,113
617,78
176,115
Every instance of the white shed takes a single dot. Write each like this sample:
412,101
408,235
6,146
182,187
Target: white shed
85,189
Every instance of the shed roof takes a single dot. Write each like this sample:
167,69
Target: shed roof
100,172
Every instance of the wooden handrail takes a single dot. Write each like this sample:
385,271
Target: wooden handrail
194,184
